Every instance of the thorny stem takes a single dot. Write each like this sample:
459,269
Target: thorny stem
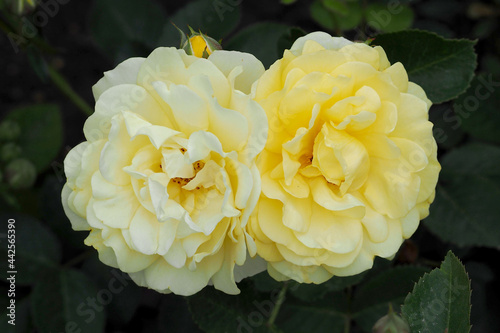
277,306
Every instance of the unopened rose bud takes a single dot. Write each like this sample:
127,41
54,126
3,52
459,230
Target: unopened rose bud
391,323
20,174
9,151
198,44
9,130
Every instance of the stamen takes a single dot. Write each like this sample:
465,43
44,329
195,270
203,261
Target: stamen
198,165
306,160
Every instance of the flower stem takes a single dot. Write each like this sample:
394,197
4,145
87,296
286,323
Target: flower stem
66,89
347,323
277,306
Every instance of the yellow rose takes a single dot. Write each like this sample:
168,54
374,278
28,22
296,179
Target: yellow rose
349,167
167,178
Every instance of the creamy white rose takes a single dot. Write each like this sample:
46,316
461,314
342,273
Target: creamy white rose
166,180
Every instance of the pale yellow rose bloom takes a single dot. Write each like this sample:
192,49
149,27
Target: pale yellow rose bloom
349,168
166,180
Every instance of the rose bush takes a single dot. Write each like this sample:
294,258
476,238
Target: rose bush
349,168
167,178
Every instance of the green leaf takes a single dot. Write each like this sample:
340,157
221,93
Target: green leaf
371,300
125,293
174,314
478,108
310,292
440,301
442,67
443,10
380,17
214,18
67,301
286,40
216,312
22,318
41,128
325,316
481,276
446,130
126,28
288,2
466,211
344,17
36,248
336,6
491,64
261,40
387,286
484,28
265,283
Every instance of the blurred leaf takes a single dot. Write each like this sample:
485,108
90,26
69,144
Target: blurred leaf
126,28
335,20
446,130
151,326
371,300
288,2
311,292
440,302
336,6
265,283
481,275
36,248
286,40
214,18
484,28
466,210
322,16
387,286
261,40
41,129
380,265
379,17
478,108
174,314
22,317
437,27
67,301
442,10
491,64
325,316
442,67
125,294
215,311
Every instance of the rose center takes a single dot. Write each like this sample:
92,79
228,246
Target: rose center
197,166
